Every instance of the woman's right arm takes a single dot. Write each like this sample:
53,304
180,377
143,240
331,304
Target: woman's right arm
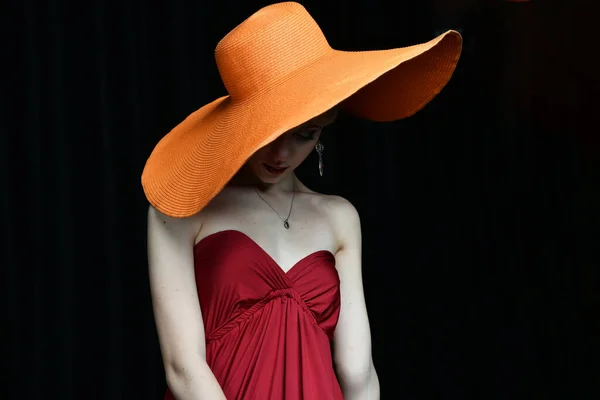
177,309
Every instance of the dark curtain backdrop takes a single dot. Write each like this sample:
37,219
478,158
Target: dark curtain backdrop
480,214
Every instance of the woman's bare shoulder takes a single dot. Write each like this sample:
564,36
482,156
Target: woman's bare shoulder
176,226
337,205
342,217
155,213
337,210
340,208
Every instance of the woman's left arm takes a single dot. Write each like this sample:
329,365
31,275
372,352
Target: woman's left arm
352,339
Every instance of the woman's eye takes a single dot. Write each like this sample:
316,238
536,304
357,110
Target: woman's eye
305,137
309,135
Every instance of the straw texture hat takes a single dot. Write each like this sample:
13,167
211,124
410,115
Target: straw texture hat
279,72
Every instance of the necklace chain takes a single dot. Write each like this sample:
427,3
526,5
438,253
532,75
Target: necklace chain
286,224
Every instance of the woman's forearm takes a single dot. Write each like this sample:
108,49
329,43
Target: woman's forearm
195,382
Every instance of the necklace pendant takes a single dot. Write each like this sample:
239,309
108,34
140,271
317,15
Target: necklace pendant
286,225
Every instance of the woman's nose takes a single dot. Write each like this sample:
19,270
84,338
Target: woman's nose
280,149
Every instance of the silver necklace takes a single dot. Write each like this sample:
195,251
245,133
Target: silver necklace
286,224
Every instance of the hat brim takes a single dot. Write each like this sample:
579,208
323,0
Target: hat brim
196,159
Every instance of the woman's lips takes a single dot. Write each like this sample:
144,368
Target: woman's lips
274,170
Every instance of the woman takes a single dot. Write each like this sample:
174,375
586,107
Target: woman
255,279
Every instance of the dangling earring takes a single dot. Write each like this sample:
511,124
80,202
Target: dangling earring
319,147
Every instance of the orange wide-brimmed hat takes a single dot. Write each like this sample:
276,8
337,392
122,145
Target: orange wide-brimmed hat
279,72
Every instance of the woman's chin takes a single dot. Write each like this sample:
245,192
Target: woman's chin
269,179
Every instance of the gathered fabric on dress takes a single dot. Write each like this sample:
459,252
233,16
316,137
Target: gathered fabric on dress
268,332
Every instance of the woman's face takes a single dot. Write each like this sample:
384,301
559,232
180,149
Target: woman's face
281,157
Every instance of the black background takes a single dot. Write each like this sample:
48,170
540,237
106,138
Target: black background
480,214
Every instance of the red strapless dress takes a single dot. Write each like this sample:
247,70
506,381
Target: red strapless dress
268,332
